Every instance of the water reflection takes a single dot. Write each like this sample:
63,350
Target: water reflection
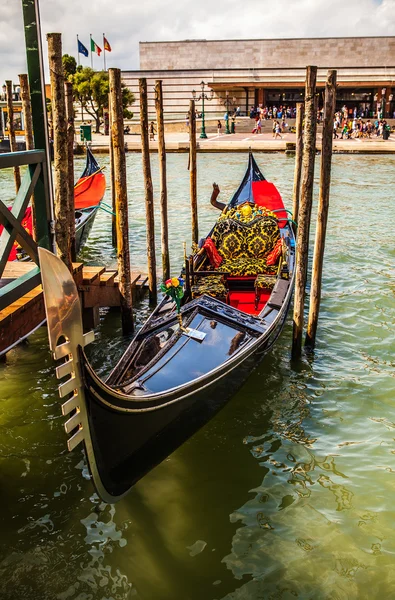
287,493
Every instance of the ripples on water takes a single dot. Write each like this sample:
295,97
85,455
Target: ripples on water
287,493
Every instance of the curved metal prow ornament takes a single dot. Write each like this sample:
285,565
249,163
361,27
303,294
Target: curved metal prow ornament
66,338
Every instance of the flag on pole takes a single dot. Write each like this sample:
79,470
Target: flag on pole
82,49
95,47
106,44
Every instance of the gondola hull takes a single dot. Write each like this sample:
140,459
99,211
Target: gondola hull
84,220
126,446
187,361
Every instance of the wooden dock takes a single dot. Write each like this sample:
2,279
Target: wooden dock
98,288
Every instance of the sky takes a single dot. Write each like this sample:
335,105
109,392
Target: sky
127,22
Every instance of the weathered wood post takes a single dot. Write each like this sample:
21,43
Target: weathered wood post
192,171
162,180
28,127
149,194
11,131
68,89
306,201
298,160
27,111
121,200
62,196
111,149
323,207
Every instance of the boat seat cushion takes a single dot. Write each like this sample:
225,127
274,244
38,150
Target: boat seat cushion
265,282
254,239
213,285
244,245
245,267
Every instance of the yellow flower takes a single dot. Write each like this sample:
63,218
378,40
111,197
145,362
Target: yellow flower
175,282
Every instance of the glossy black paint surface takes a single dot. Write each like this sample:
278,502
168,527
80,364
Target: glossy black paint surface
128,445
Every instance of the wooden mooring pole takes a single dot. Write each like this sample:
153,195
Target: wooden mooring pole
192,171
162,180
298,160
28,127
306,201
27,111
63,214
11,131
121,200
149,193
68,90
111,151
323,207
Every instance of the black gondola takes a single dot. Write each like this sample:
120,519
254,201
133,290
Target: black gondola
179,370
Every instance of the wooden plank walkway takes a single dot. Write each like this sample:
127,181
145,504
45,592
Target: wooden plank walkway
98,288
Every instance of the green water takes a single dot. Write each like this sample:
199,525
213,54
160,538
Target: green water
288,493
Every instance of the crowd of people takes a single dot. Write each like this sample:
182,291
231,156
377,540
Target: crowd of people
272,112
358,128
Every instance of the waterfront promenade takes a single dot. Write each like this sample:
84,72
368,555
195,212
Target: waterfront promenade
241,142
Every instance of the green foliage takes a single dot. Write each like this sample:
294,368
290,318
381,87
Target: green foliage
91,89
69,65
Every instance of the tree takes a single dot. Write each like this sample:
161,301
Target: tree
69,65
91,89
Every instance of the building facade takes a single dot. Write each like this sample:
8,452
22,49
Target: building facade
248,73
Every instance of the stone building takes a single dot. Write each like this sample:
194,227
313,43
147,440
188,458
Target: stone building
266,72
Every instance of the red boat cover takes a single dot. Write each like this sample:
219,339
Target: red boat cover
27,223
266,194
89,191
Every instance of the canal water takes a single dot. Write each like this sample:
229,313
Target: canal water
287,493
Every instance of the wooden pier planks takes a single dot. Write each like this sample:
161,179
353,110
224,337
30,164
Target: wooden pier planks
98,288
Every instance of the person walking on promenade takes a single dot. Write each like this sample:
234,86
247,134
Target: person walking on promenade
233,125
335,124
219,127
259,125
278,131
152,131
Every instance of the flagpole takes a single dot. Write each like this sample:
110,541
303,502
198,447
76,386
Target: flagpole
104,53
91,51
78,52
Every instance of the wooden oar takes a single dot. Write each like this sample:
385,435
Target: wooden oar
88,177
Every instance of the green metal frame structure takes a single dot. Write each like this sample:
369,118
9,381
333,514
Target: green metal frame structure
33,180
37,178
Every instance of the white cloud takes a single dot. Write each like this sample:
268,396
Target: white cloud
126,23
